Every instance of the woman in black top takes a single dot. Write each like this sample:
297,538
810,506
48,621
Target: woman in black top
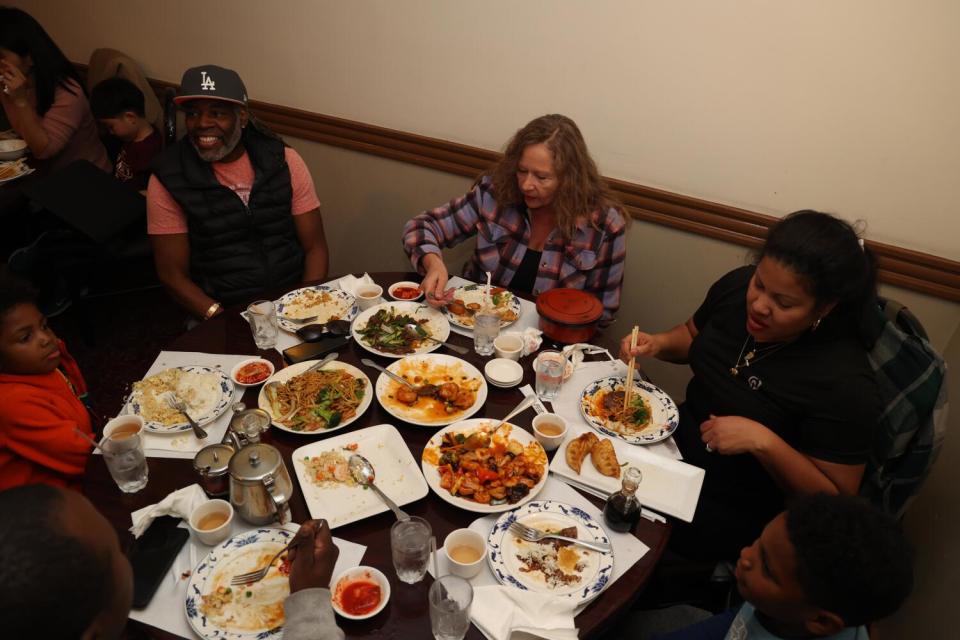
783,400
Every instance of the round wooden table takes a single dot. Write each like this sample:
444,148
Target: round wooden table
407,613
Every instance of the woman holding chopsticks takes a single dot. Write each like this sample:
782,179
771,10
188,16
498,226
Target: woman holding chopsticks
783,400
543,218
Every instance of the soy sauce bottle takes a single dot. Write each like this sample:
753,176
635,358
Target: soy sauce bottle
622,510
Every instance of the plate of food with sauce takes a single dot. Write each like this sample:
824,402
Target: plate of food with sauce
443,389
319,303
398,329
468,468
316,402
651,417
469,299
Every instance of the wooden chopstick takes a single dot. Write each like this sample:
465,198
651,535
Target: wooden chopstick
628,383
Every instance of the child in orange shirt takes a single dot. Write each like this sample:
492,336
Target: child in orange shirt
42,393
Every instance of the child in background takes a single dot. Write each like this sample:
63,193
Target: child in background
824,568
119,106
43,395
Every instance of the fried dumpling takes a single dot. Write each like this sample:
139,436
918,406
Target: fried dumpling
605,458
578,448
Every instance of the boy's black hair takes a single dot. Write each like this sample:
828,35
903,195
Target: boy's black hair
14,291
852,559
52,586
115,96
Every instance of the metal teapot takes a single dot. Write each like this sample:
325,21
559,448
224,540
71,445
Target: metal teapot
260,486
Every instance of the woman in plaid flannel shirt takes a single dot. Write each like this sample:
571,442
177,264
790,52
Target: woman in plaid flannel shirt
543,218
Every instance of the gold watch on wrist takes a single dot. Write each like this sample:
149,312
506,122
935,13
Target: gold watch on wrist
212,311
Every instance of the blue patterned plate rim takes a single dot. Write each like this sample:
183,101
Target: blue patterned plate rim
226,399
653,392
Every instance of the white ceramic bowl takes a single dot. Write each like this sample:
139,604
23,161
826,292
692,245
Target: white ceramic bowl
467,538
211,536
405,283
503,372
549,442
12,149
355,573
509,345
242,364
368,295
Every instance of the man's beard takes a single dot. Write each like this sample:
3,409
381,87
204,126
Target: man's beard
216,155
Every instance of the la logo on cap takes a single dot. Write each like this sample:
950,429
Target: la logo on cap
207,83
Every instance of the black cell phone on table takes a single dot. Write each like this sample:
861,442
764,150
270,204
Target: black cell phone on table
152,555
314,350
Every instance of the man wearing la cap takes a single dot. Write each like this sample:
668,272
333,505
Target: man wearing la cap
231,210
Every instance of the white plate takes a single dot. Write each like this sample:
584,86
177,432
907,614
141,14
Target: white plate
240,365
473,293
296,369
668,486
386,385
503,547
397,476
343,306
23,170
467,427
239,554
663,410
436,324
221,405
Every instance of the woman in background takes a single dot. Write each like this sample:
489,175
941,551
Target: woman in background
42,95
543,218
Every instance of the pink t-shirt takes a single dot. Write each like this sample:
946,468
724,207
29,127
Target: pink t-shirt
164,215
71,130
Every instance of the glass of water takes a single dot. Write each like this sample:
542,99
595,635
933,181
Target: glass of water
486,328
123,454
263,322
410,547
450,599
549,367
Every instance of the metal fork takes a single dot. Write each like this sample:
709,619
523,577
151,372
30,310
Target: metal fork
535,535
256,576
178,404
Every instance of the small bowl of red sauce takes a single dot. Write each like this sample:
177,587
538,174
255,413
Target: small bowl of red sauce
405,290
251,372
360,593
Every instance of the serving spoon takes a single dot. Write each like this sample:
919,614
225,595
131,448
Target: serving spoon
411,330
362,471
390,374
479,439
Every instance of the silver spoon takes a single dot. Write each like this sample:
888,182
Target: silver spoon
362,471
479,439
411,330
270,389
390,374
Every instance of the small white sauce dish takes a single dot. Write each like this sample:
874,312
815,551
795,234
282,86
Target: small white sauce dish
405,283
359,573
242,364
504,373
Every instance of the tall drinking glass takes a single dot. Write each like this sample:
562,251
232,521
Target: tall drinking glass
486,328
549,367
410,547
450,599
122,447
263,322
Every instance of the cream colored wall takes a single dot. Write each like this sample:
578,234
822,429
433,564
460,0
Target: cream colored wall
846,106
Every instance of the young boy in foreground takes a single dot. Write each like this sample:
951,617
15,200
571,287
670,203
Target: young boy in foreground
825,568
43,395
119,106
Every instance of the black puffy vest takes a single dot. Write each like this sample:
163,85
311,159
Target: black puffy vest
236,251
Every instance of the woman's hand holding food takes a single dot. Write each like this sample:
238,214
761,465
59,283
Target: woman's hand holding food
313,556
435,281
14,82
730,435
647,346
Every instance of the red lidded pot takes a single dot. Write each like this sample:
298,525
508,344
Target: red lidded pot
569,316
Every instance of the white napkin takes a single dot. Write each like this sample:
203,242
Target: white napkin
532,339
576,352
349,282
507,613
180,503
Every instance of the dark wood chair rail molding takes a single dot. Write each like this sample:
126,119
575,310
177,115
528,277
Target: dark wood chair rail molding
926,273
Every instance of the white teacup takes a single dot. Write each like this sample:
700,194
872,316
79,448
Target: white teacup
465,548
123,426
549,429
368,295
509,345
211,521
